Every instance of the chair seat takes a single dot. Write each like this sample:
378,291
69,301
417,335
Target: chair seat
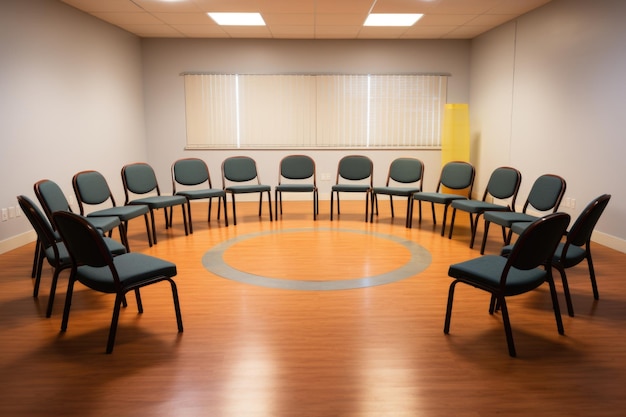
487,270
124,213
296,188
132,268
104,223
160,201
398,191
507,218
477,206
350,188
441,198
251,188
201,194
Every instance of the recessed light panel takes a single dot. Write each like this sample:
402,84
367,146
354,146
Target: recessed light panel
392,19
237,19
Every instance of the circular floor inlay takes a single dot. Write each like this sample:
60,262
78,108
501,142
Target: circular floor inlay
325,258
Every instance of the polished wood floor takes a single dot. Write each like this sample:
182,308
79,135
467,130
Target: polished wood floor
255,351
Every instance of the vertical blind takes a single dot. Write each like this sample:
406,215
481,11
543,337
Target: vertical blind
314,111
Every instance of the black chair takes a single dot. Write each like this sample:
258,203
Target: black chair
139,179
193,175
503,184
240,176
296,174
94,266
527,267
403,180
91,188
355,174
52,248
545,196
52,199
455,176
576,247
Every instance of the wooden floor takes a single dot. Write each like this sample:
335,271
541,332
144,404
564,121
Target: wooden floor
255,351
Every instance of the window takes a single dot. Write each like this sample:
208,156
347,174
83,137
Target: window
314,111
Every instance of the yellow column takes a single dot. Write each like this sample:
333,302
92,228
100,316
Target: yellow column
455,136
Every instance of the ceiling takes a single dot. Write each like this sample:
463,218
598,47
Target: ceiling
306,19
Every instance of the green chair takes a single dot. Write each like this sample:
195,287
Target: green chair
527,267
296,174
193,175
91,188
503,184
403,180
545,196
576,247
52,248
455,176
239,176
139,179
94,266
355,174
52,199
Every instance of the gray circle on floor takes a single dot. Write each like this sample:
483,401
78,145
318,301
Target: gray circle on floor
213,261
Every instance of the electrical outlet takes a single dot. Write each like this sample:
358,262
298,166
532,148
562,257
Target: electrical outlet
18,211
572,203
11,212
5,215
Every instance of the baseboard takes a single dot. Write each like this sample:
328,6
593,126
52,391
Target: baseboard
609,241
17,241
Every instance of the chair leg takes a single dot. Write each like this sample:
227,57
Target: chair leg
443,224
36,258
53,289
234,210
114,320
474,227
566,292
189,215
367,205
332,193
269,204
145,217
507,326
179,317
278,197
68,301
592,275
39,267
138,299
225,212
485,233
182,206
374,197
154,237
409,202
452,222
446,326
555,303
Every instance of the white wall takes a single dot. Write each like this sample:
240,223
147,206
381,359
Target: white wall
165,59
71,99
547,96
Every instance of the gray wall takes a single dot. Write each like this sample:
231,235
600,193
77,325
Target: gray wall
547,95
71,99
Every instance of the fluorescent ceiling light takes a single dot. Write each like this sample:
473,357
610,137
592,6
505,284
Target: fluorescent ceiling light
237,19
392,19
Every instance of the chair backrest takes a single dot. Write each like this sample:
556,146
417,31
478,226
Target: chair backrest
83,241
406,171
537,243
355,168
580,232
139,178
546,193
504,183
190,171
91,187
51,198
239,169
39,221
297,167
457,175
